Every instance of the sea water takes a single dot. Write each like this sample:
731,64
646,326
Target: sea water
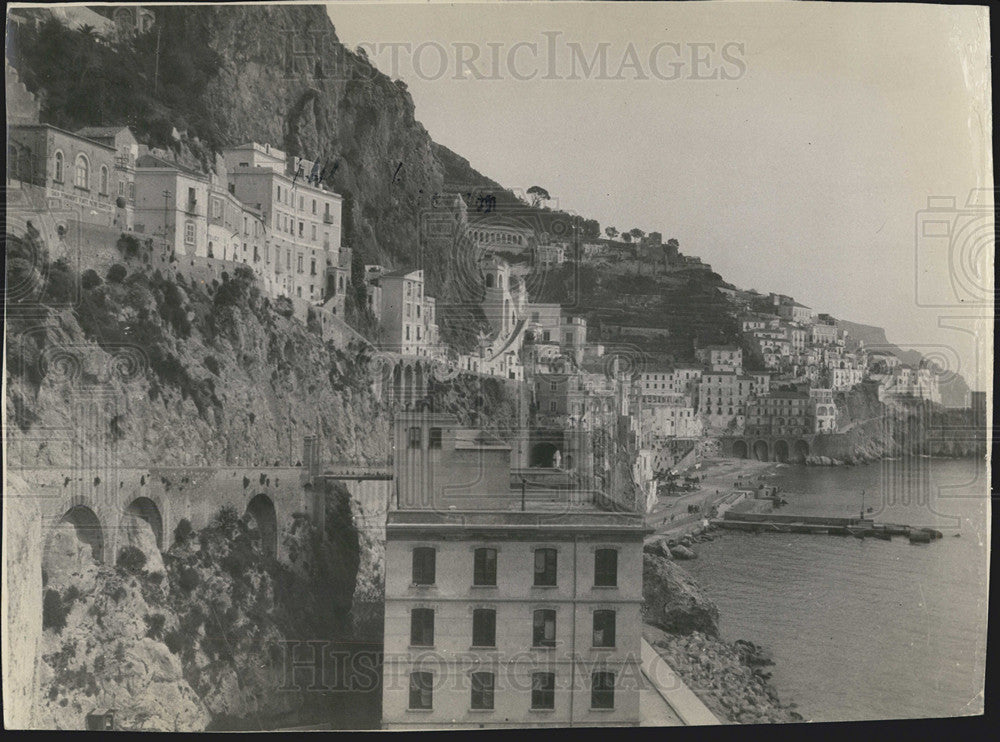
866,629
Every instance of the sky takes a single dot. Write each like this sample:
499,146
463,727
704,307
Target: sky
793,146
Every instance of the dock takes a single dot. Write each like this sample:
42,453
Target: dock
756,516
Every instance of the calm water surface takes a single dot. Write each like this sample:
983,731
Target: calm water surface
866,629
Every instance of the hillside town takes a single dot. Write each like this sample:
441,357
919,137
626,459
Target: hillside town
246,422
269,212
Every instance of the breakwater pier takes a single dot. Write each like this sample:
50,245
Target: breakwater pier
756,515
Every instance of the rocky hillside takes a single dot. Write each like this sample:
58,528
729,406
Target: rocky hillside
199,377
196,637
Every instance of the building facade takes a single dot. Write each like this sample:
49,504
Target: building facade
498,615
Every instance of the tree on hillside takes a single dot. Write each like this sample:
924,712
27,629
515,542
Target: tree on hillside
538,195
627,236
611,232
637,233
591,228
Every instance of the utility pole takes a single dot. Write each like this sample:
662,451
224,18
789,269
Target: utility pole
166,209
156,63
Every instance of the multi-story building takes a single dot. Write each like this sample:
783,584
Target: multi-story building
721,357
549,325
723,397
796,312
552,254
77,174
171,202
303,219
408,329
824,411
780,413
127,152
504,607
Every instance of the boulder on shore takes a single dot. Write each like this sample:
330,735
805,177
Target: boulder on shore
673,601
682,552
658,547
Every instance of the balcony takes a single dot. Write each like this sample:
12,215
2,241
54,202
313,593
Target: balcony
192,206
327,218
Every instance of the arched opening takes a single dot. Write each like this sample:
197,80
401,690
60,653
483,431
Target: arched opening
143,507
801,450
419,382
82,177
489,280
397,382
263,524
542,454
760,451
740,450
781,451
76,539
407,385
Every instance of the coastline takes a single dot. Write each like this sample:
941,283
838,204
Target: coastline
727,677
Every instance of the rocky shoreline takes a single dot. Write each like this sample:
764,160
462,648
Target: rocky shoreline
681,623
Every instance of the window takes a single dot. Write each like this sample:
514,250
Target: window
606,568
82,172
482,690
543,628
188,232
121,187
298,265
314,211
604,628
104,179
545,567
552,406
216,208
543,690
484,627
485,567
602,690
414,437
421,690
422,627
423,565
312,268
302,229
58,177
435,439
407,332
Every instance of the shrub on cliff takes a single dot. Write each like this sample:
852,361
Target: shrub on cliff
188,579
117,273
131,560
56,607
183,531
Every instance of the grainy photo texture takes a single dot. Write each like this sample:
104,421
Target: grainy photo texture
431,366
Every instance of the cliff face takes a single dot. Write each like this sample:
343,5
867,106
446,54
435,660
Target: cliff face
186,378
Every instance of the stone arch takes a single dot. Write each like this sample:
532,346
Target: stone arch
542,454
407,385
397,382
78,534
740,450
260,511
801,450
781,451
420,381
760,451
149,511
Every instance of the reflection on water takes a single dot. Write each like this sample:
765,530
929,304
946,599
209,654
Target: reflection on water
866,629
